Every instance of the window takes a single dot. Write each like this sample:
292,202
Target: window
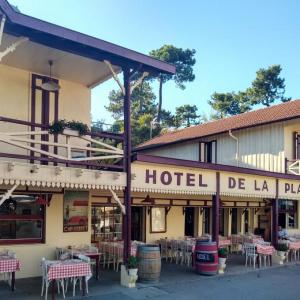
206,220
21,220
296,145
106,223
287,217
208,152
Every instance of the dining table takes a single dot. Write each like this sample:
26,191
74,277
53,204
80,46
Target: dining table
224,243
63,269
92,253
295,244
9,264
268,250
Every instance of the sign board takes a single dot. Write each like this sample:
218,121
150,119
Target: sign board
159,178
247,185
289,189
76,204
205,257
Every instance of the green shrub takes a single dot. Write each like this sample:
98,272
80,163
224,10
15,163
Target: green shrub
132,262
223,252
57,127
282,247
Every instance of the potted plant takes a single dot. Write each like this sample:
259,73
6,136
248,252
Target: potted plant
132,265
282,249
222,253
73,128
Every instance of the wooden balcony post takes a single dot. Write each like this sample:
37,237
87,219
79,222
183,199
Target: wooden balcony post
216,210
275,217
127,165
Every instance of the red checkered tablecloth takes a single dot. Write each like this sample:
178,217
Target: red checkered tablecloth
294,245
266,250
8,265
68,269
223,243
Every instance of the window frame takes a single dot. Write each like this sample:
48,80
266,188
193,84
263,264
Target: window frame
23,217
287,212
208,151
94,206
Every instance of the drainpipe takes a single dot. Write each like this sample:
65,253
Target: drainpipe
2,27
237,146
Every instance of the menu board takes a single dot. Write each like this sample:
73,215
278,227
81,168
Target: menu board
158,220
76,211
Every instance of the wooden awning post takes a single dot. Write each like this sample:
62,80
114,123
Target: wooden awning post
127,166
216,210
275,217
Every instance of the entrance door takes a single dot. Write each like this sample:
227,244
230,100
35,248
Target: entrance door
137,223
189,222
206,220
222,221
246,221
234,221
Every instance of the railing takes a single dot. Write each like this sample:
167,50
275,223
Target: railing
96,150
292,166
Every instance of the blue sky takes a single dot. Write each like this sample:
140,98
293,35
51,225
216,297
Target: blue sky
233,39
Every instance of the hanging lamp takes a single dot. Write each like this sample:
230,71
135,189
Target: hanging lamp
50,85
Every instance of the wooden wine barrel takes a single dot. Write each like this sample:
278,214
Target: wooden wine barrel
149,263
206,257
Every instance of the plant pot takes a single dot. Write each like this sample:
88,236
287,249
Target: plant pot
71,132
127,279
132,272
282,255
222,265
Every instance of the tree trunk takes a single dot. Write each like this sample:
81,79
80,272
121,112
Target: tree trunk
141,98
159,100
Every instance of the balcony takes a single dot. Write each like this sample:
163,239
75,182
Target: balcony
97,150
292,166
31,155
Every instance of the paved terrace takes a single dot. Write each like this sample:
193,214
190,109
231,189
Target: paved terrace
179,282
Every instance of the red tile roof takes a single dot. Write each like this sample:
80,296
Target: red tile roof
275,113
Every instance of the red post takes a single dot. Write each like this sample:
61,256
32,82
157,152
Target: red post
127,166
275,217
216,210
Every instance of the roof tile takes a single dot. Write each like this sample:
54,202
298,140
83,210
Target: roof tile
275,113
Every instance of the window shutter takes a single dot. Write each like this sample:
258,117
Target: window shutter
295,145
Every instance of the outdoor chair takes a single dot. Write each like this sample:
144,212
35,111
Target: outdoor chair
102,248
109,250
235,245
46,281
59,251
65,256
174,251
164,248
182,252
188,253
75,280
118,258
294,254
250,253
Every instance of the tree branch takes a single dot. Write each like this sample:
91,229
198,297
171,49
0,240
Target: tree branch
115,76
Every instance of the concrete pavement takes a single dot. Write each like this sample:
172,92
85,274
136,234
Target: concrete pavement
178,282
